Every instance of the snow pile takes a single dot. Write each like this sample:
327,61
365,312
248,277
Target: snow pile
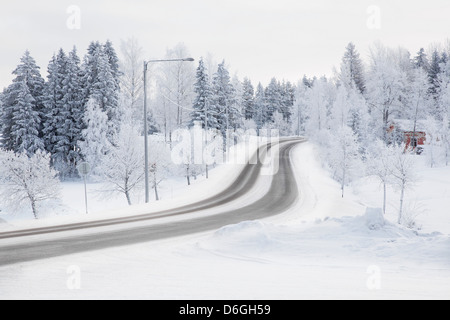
374,218
361,238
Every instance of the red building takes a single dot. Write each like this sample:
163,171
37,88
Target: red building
413,140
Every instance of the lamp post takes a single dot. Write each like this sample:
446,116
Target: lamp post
147,189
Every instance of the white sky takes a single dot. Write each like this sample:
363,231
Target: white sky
260,39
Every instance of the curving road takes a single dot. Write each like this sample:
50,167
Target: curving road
282,194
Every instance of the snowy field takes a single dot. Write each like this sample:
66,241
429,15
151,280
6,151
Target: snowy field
325,247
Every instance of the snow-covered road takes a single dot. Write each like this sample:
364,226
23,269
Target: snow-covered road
233,205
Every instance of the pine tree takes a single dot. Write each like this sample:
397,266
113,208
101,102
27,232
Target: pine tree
73,102
203,111
55,114
113,61
31,100
26,123
433,73
260,106
273,100
248,99
287,100
352,71
90,70
421,60
222,100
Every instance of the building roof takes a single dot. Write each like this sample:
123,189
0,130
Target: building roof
408,125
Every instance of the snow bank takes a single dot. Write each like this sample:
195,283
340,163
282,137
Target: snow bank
374,218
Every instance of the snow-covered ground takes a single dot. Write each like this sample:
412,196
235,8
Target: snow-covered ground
325,247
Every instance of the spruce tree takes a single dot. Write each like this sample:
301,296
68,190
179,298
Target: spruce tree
73,102
26,123
273,100
26,74
421,60
248,99
260,106
352,70
202,103
223,103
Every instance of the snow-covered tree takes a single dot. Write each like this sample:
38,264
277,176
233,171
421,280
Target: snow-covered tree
260,107
352,70
417,99
318,107
433,141
31,98
421,60
101,81
73,102
343,155
26,123
299,109
379,164
273,100
248,99
279,123
161,165
175,82
403,171
132,82
27,179
223,100
95,144
385,89
122,168
203,110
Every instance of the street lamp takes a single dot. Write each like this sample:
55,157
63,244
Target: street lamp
147,189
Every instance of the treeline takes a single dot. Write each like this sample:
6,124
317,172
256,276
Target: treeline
49,115
91,109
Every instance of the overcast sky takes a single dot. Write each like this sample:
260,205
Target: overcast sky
260,39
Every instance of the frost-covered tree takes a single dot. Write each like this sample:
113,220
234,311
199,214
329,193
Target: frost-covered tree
26,123
131,81
63,100
203,110
279,123
352,70
385,90
433,141
318,107
417,100
175,81
122,167
95,144
101,81
161,165
27,179
55,132
26,74
73,102
343,155
445,134
299,115
433,73
421,60
248,99
273,100
260,107
379,164
403,171
223,100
